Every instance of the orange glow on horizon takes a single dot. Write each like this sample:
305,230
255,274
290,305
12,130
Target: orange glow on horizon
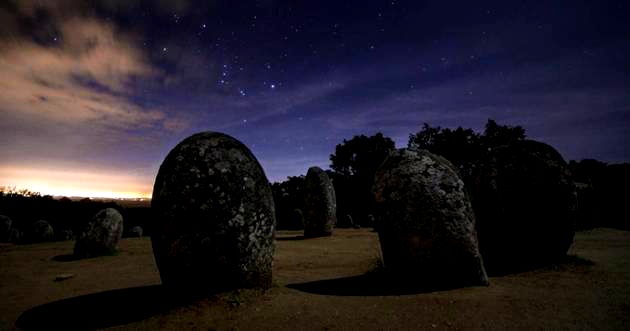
75,183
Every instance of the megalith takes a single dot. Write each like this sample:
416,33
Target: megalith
426,223
214,217
5,228
101,235
42,231
136,232
525,202
320,215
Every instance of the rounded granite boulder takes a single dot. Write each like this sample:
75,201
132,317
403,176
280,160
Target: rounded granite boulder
136,232
426,223
42,231
297,219
525,202
320,215
101,235
214,217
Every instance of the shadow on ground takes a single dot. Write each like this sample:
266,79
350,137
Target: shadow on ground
291,238
380,283
101,310
65,258
372,284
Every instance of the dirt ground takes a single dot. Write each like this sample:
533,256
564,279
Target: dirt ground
319,284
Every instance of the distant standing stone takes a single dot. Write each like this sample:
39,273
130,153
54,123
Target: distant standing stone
321,205
297,219
426,223
215,217
101,235
136,232
66,235
16,236
5,228
525,202
42,231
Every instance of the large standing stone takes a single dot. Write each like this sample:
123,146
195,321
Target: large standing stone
321,205
42,231
215,216
5,228
525,202
101,235
426,222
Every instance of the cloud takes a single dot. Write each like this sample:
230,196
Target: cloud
85,79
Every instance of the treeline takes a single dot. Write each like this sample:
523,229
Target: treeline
67,217
602,188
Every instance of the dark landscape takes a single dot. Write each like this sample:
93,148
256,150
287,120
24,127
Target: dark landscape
314,165
319,284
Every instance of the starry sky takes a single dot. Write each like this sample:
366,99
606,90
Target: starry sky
94,94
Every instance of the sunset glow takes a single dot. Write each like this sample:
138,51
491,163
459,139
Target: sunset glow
94,94
75,183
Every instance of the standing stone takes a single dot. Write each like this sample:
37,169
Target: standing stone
371,221
135,232
5,228
297,219
525,202
66,235
321,204
426,223
16,236
42,231
101,235
215,217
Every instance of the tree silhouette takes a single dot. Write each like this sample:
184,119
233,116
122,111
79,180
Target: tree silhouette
464,147
354,164
289,196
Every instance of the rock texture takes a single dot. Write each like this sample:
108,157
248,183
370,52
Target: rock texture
136,232
42,231
215,217
426,223
525,202
320,205
101,235
5,228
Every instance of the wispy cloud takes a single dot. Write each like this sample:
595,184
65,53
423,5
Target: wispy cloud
86,79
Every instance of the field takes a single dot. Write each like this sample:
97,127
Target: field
319,284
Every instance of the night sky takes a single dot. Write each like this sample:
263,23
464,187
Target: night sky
93,94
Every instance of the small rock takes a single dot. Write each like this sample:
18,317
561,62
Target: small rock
63,277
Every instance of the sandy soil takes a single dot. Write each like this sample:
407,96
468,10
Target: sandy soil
318,285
